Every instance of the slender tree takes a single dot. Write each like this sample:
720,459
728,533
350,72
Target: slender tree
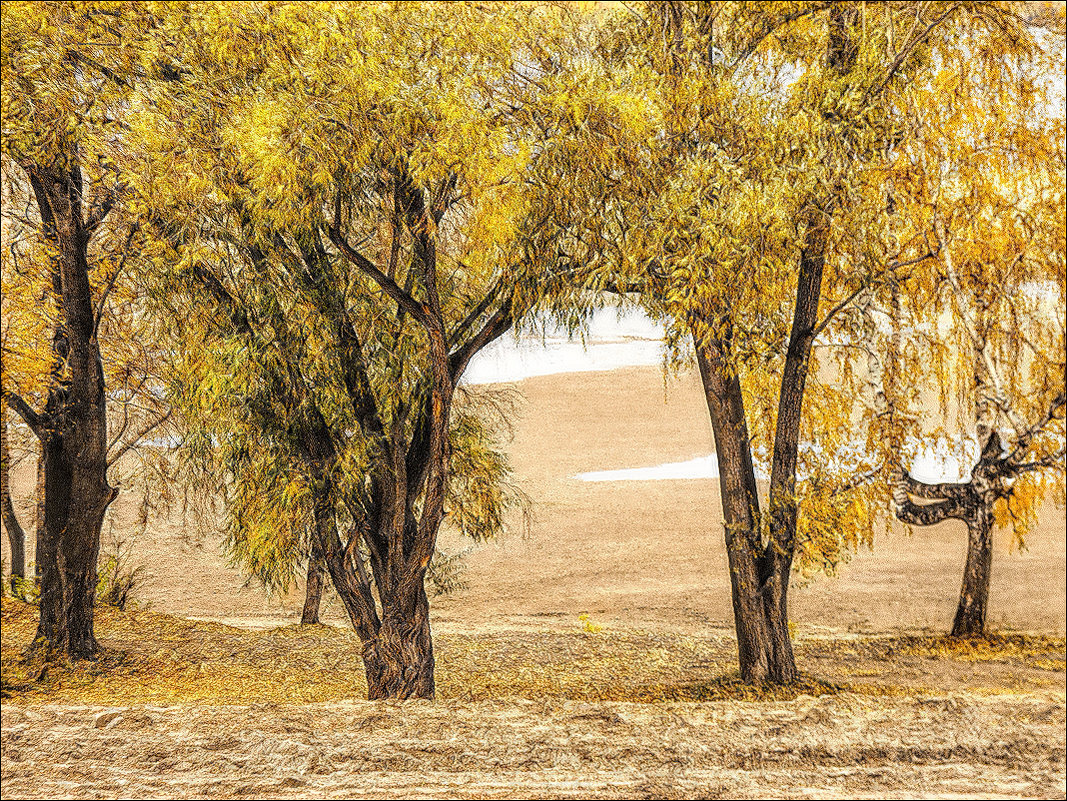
985,325
760,224
67,71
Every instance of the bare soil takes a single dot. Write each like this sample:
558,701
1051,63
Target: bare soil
638,699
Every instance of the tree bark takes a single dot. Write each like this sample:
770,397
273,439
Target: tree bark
16,537
974,593
740,503
38,512
315,580
73,434
971,502
405,655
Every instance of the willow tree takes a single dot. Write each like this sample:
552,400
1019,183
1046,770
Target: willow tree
67,74
985,325
760,225
339,197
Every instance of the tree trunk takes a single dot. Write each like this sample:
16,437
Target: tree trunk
315,580
405,656
15,535
38,513
759,619
76,498
972,502
73,432
974,593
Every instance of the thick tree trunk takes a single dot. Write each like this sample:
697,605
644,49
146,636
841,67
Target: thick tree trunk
76,498
398,658
16,537
315,580
974,593
405,656
73,432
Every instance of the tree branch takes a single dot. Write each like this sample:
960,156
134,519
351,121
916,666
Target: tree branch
494,327
387,284
1023,443
35,421
138,437
935,492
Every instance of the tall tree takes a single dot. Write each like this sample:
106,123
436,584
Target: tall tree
340,194
67,71
758,226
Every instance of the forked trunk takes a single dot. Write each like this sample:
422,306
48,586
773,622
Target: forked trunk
404,663
759,597
398,658
974,593
972,502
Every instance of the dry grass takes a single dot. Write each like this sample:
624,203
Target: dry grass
209,710
151,658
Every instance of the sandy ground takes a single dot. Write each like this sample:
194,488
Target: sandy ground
634,556
832,746
634,553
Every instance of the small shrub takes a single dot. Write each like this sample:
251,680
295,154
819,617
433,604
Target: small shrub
117,583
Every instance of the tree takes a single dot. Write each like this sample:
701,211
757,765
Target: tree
15,535
989,328
350,221
66,75
767,232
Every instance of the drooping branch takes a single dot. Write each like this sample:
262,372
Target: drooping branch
890,270
1023,443
111,279
138,438
971,326
909,47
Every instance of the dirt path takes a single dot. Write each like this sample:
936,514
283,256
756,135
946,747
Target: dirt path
831,746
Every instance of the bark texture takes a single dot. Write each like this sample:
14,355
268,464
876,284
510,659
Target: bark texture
921,504
16,537
72,428
316,578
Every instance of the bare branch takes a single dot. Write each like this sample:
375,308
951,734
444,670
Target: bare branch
136,440
35,421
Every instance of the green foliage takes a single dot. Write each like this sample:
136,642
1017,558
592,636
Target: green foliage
118,582
445,573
